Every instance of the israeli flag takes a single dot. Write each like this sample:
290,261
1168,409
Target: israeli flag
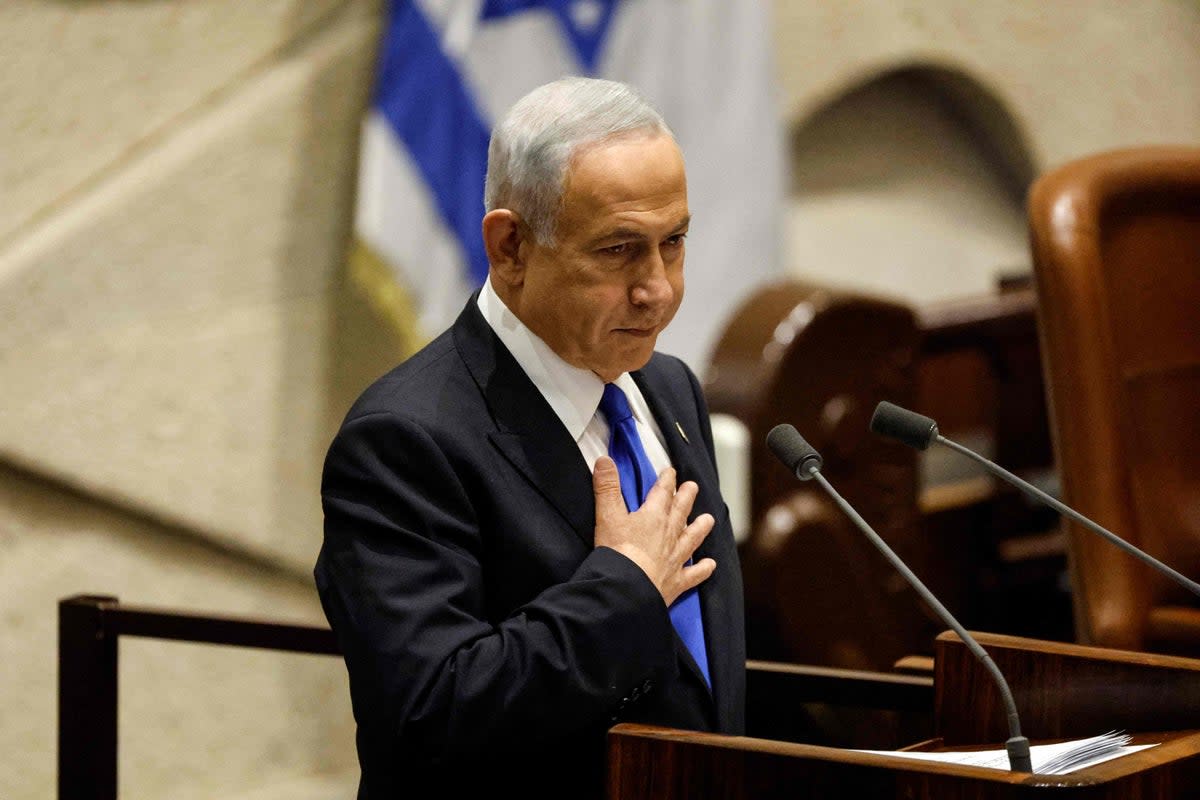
449,68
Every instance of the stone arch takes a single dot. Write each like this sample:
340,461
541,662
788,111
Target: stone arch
910,182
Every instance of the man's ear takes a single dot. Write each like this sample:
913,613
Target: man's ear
503,236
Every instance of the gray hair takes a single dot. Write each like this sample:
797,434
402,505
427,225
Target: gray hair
532,146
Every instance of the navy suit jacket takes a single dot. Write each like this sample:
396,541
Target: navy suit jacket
489,644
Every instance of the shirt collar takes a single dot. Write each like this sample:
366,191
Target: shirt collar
572,392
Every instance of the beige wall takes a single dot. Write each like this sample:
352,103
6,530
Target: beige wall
194,721
905,202
177,345
1078,76
177,180
893,193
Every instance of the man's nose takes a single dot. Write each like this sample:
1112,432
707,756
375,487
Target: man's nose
653,288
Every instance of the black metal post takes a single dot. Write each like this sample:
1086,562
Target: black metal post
87,700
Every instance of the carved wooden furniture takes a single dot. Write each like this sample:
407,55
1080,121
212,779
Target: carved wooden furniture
980,376
816,591
1116,246
820,359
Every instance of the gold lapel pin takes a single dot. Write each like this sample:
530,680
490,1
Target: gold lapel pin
679,428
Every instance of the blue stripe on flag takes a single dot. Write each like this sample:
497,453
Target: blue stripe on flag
424,98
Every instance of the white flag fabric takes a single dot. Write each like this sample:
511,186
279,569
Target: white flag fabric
449,68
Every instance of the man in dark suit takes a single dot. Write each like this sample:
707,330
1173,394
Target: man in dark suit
498,606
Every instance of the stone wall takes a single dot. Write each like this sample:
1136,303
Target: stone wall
195,721
1078,77
178,180
905,187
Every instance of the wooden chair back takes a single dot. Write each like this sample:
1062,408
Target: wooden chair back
1116,248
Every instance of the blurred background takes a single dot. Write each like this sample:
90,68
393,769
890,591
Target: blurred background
220,220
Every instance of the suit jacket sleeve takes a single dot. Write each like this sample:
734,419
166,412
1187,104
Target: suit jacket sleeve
402,580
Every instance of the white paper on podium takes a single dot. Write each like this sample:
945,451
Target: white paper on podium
1048,759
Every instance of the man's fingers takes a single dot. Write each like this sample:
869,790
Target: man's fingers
606,483
691,537
663,489
696,532
681,503
695,574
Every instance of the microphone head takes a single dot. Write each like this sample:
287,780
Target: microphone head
906,426
796,454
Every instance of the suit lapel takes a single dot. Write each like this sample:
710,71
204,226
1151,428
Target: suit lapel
528,432
690,458
685,447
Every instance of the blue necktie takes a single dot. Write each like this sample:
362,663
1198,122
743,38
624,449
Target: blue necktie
637,478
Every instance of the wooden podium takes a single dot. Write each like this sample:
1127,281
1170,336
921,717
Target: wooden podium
1062,691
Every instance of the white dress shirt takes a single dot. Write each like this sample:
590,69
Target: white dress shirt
572,392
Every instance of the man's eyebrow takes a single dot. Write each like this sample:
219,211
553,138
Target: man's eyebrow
624,234
633,234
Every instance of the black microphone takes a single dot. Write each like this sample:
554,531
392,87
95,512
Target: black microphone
799,456
919,431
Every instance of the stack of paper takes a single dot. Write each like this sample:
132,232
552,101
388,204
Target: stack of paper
1048,759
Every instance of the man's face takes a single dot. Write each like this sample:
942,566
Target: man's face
614,278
